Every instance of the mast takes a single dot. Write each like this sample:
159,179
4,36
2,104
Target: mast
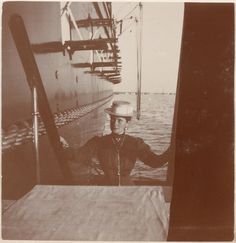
139,58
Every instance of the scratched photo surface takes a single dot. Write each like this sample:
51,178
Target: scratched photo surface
118,121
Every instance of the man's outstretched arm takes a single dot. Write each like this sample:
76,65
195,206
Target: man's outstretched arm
146,155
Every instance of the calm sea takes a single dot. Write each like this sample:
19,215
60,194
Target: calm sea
154,127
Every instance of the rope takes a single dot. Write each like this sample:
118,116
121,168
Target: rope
121,21
129,12
21,133
126,28
122,7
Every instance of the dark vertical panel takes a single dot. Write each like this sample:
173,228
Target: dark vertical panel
202,206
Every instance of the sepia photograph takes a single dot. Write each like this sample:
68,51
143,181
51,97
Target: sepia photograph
118,121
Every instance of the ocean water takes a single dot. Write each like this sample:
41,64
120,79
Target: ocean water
154,127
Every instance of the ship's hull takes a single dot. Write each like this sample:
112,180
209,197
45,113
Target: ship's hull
76,98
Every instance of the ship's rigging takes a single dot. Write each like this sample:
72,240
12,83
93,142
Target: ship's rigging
136,19
139,59
101,49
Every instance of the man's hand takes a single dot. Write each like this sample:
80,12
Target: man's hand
64,144
167,156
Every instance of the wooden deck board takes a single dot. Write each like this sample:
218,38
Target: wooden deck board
87,213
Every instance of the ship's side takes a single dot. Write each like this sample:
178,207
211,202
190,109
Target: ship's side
72,73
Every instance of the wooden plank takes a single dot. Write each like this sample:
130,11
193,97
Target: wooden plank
84,23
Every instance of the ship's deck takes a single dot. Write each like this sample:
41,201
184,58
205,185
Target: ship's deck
88,213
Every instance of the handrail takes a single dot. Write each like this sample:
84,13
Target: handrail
36,133
23,46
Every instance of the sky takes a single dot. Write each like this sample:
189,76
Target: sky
161,42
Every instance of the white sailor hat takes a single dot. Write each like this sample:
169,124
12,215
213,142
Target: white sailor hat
120,108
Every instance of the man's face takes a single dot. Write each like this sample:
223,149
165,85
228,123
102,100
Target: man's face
118,125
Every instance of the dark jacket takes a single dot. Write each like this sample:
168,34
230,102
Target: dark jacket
118,159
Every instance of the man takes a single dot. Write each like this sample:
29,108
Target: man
117,152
